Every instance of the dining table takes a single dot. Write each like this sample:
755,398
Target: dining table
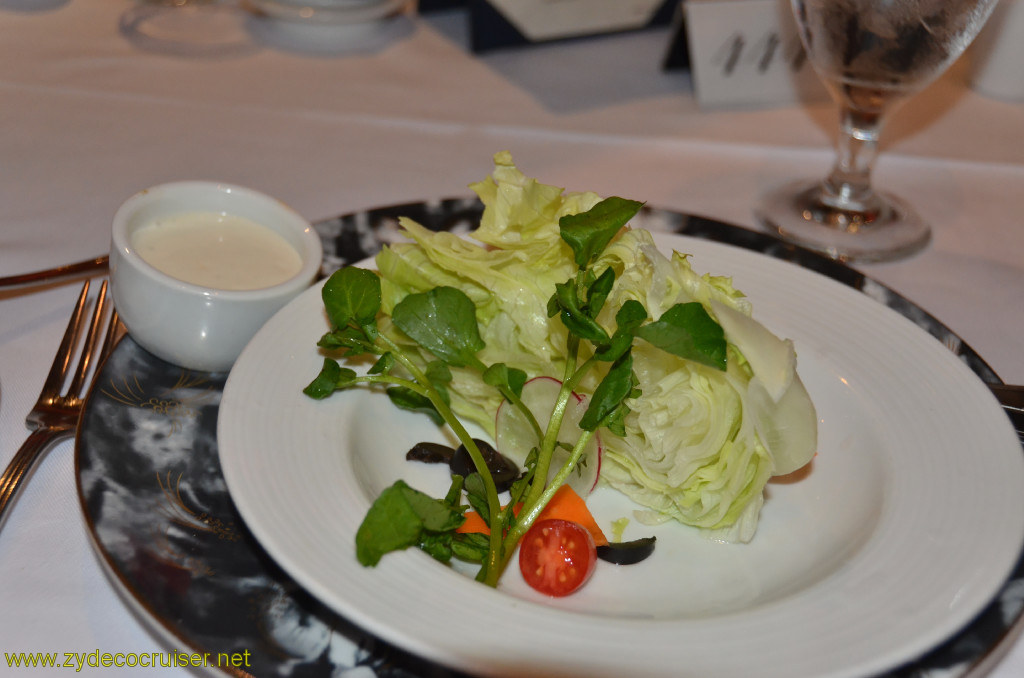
100,101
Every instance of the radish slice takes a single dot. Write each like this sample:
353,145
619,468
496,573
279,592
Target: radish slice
514,437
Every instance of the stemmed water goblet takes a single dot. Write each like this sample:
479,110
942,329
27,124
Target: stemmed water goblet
872,55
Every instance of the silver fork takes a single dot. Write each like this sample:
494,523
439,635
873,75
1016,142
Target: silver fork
56,412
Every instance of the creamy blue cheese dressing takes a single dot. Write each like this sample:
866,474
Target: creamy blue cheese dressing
221,251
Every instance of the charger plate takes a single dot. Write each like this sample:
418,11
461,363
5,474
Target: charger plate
167,531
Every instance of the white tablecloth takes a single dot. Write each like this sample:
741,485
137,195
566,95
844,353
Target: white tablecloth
89,116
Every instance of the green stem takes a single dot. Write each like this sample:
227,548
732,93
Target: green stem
577,377
493,563
540,490
550,439
394,381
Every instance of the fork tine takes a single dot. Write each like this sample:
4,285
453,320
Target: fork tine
92,348
115,330
55,379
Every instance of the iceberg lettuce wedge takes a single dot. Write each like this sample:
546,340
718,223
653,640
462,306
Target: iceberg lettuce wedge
698,444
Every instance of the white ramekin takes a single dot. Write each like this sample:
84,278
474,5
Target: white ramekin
197,327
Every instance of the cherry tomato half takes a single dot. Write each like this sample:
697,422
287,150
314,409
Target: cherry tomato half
557,557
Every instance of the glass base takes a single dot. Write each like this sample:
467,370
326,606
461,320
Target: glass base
798,214
194,28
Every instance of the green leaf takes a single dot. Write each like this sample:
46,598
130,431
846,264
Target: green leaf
472,547
437,545
407,399
588,233
615,348
323,385
443,321
454,496
383,364
630,316
476,493
401,517
686,330
613,389
332,377
553,307
435,515
345,379
438,373
352,297
617,424
352,340
597,292
391,524
522,484
502,377
575,319
439,376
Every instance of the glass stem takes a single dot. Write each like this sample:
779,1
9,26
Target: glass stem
848,186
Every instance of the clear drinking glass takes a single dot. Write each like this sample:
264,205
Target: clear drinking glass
872,55
193,28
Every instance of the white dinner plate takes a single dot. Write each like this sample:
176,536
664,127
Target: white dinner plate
910,517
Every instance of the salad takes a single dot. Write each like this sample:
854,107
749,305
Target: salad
589,357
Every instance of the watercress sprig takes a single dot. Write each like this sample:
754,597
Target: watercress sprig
443,321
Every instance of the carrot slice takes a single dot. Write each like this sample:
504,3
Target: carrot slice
474,523
565,505
568,505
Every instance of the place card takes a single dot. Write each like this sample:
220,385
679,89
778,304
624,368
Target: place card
505,23
746,53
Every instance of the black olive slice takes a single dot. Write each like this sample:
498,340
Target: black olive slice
430,453
503,470
626,552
